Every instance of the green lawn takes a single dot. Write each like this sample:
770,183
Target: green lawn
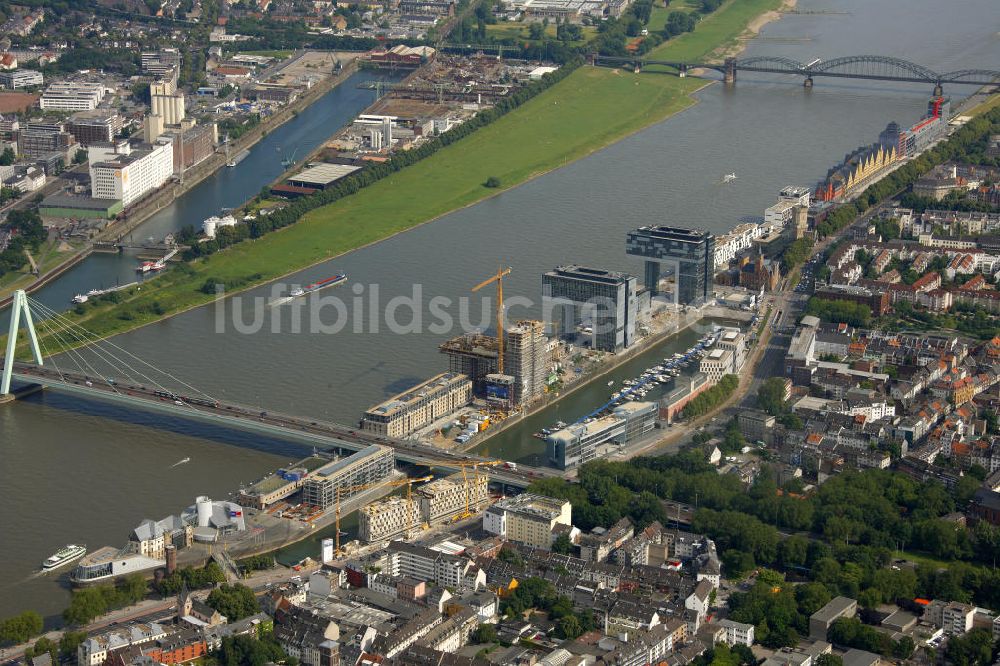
590,109
278,55
48,257
517,30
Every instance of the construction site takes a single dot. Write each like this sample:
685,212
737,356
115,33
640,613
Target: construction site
437,503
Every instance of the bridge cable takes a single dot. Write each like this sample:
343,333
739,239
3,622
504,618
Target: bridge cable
85,362
71,350
54,328
53,323
66,348
94,344
50,357
110,359
107,357
99,340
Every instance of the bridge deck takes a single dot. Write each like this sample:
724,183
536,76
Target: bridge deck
321,434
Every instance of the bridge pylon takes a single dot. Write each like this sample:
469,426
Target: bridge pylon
19,307
938,89
729,73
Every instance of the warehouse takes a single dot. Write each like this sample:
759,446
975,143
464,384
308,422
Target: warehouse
322,176
66,206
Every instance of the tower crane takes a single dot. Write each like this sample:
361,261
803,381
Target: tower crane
394,483
498,278
475,465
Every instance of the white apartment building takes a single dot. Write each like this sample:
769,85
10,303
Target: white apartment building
426,564
72,96
21,78
737,633
402,414
527,518
94,650
386,519
730,245
443,499
120,173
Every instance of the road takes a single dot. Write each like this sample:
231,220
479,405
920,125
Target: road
319,432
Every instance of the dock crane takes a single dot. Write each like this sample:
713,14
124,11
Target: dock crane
394,483
498,278
475,465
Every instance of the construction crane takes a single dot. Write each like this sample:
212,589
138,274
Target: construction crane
498,278
475,465
369,486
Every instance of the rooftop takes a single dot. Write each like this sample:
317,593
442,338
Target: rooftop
323,174
576,272
338,466
673,233
437,383
532,505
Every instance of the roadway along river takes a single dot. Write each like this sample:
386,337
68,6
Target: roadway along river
87,477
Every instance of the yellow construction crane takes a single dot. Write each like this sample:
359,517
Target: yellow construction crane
475,465
369,486
498,278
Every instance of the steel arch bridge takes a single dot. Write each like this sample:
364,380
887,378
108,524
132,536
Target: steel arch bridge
871,67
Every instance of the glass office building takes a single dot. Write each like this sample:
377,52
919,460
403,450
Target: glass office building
689,254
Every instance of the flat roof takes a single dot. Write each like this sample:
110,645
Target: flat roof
323,174
673,233
274,481
577,272
342,464
833,609
421,390
83,203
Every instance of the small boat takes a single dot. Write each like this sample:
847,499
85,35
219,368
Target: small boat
231,163
80,298
64,556
729,177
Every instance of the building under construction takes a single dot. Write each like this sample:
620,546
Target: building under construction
368,466
473,355
435,503
526,359
443,499
387,519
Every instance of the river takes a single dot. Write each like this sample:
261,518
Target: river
226,188
767,129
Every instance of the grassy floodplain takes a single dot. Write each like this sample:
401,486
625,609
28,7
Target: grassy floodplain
590,109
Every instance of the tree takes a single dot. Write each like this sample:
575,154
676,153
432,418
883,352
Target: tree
80,156
42,646
7,157
235,601
485,633
771,396
492,181
21,627
536,31
568,627
829,659
248,651
973,649
69,643
562,545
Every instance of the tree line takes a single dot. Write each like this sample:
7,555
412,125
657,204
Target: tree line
292,213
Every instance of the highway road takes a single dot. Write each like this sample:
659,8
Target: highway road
318,433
